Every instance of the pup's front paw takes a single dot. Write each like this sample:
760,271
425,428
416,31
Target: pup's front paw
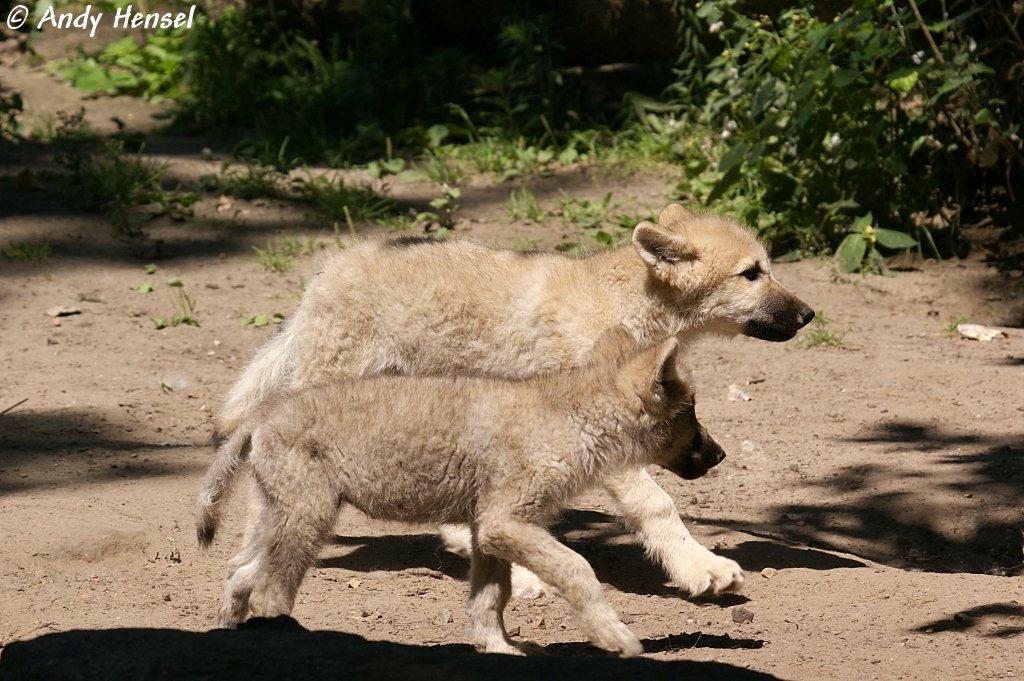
712,574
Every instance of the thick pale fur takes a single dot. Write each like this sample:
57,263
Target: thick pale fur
459,308
504,456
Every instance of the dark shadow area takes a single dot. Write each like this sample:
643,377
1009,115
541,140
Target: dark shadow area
994,619
69,447
281,649
964,518
757,555
600,538
393,553
665,644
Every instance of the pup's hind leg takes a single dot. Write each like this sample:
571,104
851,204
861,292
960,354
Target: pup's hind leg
490,586
458,539
293,544
653,515
244,572
514,539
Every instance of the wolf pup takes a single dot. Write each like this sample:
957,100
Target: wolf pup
504,456
419,307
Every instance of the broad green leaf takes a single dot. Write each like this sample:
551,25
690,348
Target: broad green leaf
733,157
727,180
844,77
850,253
89,76
146,288
863,221
436,134
982,117
890,238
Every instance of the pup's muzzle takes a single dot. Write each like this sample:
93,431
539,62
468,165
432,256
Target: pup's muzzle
780,319
703,455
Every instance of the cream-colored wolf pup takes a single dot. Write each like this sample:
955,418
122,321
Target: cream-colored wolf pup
504,456
418,307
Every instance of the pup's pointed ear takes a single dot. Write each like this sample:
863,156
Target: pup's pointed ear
657,246
675,214
652,377
665,378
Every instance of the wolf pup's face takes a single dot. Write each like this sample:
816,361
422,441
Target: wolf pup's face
717,273
692,451
656,383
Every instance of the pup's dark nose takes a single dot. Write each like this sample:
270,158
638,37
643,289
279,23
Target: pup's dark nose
805,316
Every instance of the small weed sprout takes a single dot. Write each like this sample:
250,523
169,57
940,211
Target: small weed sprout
184,307
280,256
259,320
444,210
955,321
339,201
819,335
27,251
253,181
523,205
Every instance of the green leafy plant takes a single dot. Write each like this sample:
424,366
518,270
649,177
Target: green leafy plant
340,201
251,181
259,320
152,69
952,323
819,335
859,250
28,251
183,304
444,208
523,205
823,117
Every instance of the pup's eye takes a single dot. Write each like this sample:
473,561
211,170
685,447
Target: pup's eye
751,273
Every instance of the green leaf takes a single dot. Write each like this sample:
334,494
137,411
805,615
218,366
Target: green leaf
917,144
733,157
890,238
862,222
436,134
844,77
89,76
175,282
723,184
850,253
149,269
903,84
146,288
983,117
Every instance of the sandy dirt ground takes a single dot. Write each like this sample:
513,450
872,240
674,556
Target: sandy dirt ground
872,492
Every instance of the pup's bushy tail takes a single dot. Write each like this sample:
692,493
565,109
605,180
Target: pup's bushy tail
229,458
269,371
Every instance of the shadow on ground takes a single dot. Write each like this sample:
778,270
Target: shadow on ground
993,619
959,513
281,649
65,448
600,538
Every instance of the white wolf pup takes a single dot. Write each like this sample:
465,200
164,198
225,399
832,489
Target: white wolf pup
504,456
416,307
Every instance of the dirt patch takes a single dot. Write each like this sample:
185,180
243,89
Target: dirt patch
872,491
